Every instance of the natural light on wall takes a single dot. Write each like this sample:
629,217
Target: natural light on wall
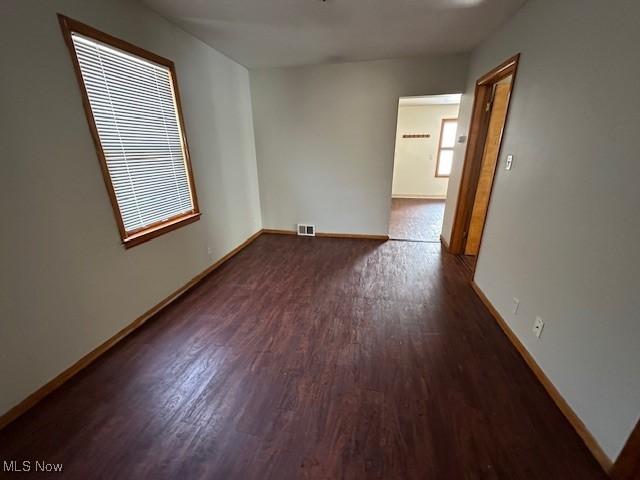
134,109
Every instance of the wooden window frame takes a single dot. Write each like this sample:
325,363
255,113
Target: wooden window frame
441,148
135,237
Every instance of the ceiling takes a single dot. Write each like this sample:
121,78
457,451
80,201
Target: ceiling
452,99
262,33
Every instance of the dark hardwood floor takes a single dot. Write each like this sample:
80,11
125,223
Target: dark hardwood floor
416,219
469,261
314,359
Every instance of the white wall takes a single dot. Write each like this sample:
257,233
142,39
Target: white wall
563,227
414,164
67,284
325,138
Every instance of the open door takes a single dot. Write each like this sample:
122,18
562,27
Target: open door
488,119
499,103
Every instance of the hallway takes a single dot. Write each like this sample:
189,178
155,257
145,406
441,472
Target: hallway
416,219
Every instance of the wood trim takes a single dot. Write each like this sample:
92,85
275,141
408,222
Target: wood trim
444,120
70,25
418,196
360,236
130,239
627,466
489,165
444,243
92,356
67,25
475,148
466,192
164,227
183,138
506,68
581,429
275,231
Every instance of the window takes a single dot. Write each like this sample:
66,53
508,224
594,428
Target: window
133,109
445,147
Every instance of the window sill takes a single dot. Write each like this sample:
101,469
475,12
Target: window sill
157,230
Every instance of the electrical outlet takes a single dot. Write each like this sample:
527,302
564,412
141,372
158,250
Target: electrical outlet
209,251
538,325
516,304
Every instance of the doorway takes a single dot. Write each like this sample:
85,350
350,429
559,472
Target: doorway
425,137
490,110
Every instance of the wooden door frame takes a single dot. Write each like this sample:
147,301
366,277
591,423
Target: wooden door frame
627,466
475,149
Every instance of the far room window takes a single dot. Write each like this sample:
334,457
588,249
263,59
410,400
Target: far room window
445,147
133,109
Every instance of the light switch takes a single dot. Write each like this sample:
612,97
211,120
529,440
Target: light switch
538,325
509,162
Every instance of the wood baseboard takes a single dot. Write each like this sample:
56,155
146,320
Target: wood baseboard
360,236
553,392
275,231
89,358
421,197
444,243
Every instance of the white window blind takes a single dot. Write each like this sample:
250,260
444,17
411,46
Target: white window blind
135,113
